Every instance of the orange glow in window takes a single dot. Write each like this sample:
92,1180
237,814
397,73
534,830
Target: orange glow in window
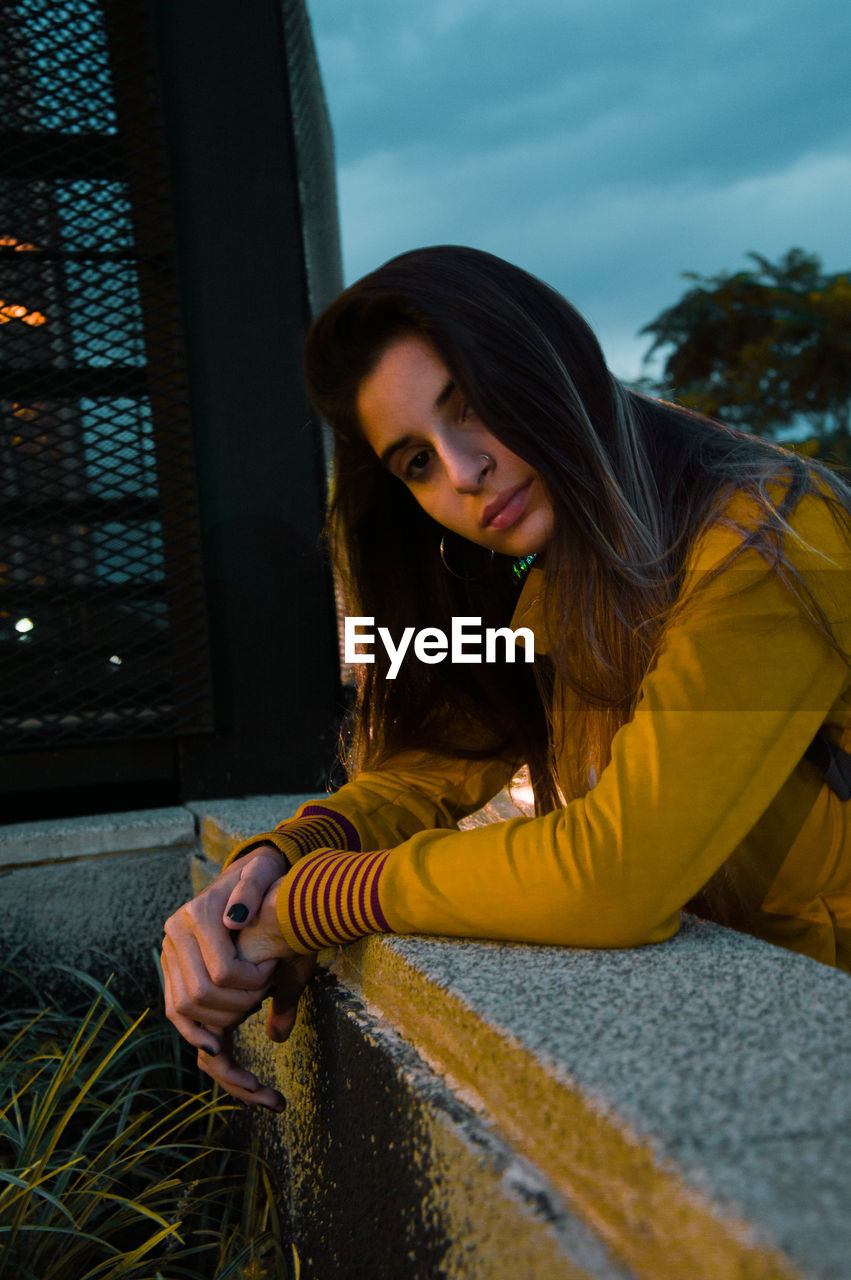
12,311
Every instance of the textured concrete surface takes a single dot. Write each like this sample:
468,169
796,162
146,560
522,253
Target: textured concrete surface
93,892
693,1099
58,838
99,915
388,1175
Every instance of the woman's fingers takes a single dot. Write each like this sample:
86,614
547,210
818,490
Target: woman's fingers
196,1035
212,975
262,939
291,979
222,969
206,947
237,1081
181,970
248,893
209,987
204,919
215,1048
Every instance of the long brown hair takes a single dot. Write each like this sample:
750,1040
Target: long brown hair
633,482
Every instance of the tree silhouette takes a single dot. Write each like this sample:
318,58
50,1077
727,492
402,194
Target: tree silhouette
765,349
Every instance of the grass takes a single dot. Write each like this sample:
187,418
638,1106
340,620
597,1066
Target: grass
113,1162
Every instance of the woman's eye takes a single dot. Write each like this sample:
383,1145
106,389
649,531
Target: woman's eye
417,465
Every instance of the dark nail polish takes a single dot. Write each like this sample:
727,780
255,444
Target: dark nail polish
208,1048
238,912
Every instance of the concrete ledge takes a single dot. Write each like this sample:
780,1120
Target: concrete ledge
478,1109
61,838
389,1175
689,1100
689,1104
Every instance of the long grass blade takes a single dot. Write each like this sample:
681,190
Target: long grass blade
82,1093
109,1175
30,1187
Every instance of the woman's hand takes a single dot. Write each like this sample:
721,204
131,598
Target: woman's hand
209,986
259,938
212,980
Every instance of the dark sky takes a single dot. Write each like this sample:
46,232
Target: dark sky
606,145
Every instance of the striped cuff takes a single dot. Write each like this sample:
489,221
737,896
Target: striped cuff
316,827
331,898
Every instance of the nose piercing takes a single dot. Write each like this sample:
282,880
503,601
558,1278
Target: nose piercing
486,458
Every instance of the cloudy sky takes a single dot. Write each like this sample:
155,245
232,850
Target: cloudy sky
605,145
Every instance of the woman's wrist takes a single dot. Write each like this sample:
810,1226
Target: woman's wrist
262,939
328,898
318,827
331,898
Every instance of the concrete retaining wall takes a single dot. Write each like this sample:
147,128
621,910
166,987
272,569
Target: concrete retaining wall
488,1110
92,893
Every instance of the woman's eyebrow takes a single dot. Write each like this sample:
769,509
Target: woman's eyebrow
404,441
445,394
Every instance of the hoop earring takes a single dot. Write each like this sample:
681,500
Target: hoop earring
464,577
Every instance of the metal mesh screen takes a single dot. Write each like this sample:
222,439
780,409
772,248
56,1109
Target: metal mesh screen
102,629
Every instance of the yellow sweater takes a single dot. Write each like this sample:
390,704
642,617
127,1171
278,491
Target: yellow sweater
707,777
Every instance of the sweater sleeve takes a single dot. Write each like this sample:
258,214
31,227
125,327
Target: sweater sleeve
741,684
417,790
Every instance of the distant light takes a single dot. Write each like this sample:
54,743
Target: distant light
14,311
23,625
115,660
11,242
10,311
523,794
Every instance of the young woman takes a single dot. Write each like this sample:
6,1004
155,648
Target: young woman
685,716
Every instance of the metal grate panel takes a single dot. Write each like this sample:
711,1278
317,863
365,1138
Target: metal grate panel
102,627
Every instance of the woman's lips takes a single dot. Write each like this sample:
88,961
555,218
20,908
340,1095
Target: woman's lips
508,508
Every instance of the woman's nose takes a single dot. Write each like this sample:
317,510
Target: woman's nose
467,470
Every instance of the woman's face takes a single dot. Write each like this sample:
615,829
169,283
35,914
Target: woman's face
416,420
